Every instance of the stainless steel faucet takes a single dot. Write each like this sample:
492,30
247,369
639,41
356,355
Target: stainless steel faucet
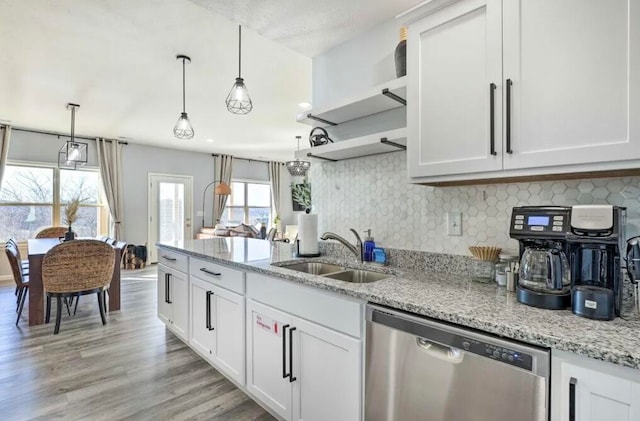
357,250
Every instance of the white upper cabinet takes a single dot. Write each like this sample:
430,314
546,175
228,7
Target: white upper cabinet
575,72
455,58
566,97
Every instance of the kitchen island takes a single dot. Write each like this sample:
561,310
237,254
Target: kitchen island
442,296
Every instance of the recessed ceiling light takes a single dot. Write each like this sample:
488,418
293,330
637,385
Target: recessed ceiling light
304,105
209,140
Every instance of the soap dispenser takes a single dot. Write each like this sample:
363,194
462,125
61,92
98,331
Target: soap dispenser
369,245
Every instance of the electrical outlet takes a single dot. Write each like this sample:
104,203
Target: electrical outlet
199,213
454,223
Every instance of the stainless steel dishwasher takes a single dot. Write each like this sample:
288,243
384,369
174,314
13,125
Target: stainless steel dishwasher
418,369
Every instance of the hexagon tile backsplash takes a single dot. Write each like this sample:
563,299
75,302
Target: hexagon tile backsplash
374,192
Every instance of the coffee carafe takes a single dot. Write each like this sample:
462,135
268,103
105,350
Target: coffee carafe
545,270
544,279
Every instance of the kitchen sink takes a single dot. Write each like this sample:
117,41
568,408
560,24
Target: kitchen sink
314,268
341,273
357,276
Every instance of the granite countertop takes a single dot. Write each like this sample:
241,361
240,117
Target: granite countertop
451,298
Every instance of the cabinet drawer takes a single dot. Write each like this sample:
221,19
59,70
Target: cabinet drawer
340,313
173,260
226,277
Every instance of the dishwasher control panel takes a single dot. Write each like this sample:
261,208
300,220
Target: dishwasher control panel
495,352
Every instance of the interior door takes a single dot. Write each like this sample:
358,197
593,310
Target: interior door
455,58
575,72
170,210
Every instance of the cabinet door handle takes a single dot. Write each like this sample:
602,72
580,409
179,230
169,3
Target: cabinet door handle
209,327
169,275
166,287
205,270
492,137
291,378
171,259
508,116
284,352
572,398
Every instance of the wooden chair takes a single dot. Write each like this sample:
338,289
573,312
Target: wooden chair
52,232
24,264
21,280
77,268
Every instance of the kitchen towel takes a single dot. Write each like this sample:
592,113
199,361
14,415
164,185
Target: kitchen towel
308,233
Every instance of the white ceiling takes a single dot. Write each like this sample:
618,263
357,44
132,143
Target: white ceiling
116,58
309,26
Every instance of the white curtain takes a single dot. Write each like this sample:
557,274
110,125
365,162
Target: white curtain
4,149
223,170
274,178
110,161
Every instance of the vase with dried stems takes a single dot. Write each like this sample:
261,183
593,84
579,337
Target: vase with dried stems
70,216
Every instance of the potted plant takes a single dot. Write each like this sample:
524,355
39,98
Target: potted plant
70,216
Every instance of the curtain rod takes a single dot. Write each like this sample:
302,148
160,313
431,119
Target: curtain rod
250,159
22,129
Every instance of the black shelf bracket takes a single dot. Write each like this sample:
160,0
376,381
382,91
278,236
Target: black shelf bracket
310,155
393,96
321,120
386,141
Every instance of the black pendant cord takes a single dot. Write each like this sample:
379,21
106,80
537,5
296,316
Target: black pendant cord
239,51
73,124
183,87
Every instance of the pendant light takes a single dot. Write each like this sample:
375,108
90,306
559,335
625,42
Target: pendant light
238,100
183,129
73,154
298,168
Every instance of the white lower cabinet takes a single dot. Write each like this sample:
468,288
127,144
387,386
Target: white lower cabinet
217,327
173,300
588,390
301,370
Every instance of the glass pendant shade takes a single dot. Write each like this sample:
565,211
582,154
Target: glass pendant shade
73,154
298,168
183,129
238,100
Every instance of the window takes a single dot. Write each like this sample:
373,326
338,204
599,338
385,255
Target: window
34,197
249,203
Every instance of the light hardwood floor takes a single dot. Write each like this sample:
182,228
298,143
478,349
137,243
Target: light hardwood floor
130,369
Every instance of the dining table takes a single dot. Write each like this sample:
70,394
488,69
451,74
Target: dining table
37,248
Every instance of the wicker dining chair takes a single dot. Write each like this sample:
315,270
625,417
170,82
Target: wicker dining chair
21,280
52,232
77,268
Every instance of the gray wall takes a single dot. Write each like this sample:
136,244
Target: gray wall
138,161
360,63
43,148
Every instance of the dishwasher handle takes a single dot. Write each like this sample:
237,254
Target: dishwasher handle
442,352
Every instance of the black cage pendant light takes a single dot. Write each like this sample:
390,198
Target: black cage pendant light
298,168
73,154
183,129
238,100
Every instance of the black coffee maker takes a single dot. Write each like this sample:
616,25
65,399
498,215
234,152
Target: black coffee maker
544,277
596,240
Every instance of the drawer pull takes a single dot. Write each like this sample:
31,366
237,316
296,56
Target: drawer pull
508,116
572,398
207,271
284,352
492,141
171,259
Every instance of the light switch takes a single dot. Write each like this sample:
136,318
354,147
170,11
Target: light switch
454,223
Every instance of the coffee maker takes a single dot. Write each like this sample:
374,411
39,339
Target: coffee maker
596,242
544,278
